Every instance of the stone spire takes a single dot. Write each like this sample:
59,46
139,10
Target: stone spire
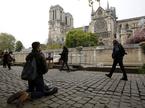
91,5
99,2
107,5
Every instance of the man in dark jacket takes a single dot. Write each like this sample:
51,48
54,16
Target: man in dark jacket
36,87
117,55
64,58
7,59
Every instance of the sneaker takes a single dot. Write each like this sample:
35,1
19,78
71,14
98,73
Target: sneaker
108,75
123,78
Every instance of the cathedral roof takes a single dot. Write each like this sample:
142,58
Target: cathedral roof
56,6
99,8
67,13
130,19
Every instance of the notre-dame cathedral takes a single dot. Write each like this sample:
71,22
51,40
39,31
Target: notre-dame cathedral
59,23
103,22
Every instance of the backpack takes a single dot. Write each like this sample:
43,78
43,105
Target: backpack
29,71
122,50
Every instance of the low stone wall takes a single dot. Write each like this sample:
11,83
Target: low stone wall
99,56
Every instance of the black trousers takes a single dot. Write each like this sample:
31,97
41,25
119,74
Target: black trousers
115,62
64,63
36,87
7,63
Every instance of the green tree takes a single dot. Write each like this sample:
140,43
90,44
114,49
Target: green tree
53,46
7,42
43,46
19,46
77,37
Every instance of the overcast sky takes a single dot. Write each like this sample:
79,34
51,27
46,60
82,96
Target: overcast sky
27,20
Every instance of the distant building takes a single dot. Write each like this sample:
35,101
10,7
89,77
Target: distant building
128,28
103,22
59,23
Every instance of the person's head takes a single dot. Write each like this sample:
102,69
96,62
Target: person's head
49,54
64,48
115,42
10,52
36,46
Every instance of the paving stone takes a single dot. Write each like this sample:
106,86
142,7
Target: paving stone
82,101
99,106
53,105
77,105
88,106
104,100
123,104
78,89
71,102
65,105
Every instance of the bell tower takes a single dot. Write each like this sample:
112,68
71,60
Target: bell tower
59,22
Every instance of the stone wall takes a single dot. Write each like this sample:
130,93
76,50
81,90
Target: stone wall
98,56
102,56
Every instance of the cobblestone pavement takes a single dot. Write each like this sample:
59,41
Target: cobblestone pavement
78,89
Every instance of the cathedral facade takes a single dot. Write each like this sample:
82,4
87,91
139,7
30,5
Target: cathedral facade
59,23
103,23
106,26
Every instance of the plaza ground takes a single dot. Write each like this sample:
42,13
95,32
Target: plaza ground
78,89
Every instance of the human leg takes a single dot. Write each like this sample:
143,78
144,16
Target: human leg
9,65
67,66
4,64
122,69
62,65
39,92
31,85
115,61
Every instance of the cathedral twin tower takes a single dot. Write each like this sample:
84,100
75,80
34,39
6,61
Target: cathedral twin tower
59,23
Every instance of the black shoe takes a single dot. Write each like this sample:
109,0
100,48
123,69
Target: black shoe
68,70
51,91
108,75
124,78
